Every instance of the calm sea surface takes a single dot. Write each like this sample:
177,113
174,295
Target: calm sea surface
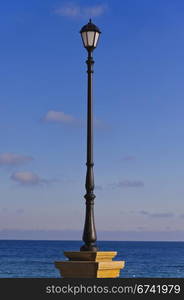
143,259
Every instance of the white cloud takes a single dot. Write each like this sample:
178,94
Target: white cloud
28,178
10,159
53,116
58,117
73,10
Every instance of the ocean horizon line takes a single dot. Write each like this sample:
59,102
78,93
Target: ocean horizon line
112,241
104,235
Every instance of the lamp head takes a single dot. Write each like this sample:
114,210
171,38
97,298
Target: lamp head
90,34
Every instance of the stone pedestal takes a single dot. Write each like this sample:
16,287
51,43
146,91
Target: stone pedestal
88,264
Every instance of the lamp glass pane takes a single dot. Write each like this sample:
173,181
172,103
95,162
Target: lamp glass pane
96,39
91,35
84,38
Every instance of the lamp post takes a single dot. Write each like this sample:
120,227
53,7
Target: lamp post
90,34
89,262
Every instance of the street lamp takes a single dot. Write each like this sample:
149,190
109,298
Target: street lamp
89,262
90,35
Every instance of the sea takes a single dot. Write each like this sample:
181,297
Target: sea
35,259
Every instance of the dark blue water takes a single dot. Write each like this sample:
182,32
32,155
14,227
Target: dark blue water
143,259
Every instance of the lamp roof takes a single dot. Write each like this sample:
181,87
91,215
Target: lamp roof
90,27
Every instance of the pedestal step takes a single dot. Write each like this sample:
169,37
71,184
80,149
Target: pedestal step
89,264
90,255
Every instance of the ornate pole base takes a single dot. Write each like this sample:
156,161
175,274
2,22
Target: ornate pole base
89,248
89,264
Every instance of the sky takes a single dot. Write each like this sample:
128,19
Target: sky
138,119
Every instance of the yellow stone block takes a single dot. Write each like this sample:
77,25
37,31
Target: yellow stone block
88,264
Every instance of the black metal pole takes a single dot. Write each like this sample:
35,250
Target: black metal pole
89,234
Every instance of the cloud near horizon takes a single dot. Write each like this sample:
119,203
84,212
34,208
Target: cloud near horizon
12,159
28,179
157,215
73,10
130,183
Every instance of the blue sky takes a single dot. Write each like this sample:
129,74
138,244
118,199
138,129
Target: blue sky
138,111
